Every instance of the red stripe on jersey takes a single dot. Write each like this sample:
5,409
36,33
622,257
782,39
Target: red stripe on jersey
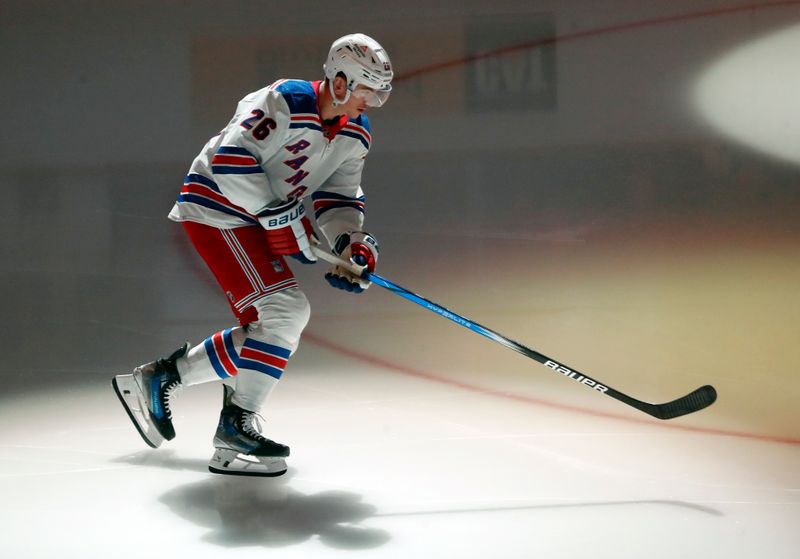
311,117
202,190
233,160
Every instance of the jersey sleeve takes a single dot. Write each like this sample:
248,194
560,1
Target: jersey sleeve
255,134
339,202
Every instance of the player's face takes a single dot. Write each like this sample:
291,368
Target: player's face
373,97
358,101
360,98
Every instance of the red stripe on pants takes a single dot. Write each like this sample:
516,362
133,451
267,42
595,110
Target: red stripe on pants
223,263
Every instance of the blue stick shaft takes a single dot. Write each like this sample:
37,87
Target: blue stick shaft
457,318
692,402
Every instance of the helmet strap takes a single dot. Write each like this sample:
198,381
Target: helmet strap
336,102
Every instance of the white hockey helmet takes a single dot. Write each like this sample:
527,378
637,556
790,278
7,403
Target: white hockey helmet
363,61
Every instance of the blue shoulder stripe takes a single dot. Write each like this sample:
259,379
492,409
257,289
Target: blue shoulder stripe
299,95
362,121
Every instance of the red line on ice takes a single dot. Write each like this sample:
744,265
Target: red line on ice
408,371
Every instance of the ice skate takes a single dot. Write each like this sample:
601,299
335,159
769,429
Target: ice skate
146,396
240,448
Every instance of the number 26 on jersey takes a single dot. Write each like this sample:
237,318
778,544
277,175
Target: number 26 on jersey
260,126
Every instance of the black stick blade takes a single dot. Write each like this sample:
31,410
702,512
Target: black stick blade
696,401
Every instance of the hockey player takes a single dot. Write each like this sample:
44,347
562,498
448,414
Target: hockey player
242,206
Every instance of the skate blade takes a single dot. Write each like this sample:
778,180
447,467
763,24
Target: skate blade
230,462
129,395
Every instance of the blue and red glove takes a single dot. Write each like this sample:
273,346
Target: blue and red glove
361,249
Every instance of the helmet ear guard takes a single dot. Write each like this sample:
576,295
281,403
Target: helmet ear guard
336,102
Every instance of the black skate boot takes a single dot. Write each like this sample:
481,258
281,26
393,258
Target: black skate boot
240,448
146,395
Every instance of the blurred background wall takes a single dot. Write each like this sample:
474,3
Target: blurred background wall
585,135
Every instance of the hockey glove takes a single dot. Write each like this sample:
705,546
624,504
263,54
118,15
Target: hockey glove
360,248
288,230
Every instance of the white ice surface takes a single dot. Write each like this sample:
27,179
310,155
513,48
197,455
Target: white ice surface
386,465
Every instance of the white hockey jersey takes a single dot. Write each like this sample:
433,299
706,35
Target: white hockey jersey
277,146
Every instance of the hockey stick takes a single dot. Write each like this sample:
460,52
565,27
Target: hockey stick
692,402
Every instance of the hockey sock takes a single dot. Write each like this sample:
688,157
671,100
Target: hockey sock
261,365
214,359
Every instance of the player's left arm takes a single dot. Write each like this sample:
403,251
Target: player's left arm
339,211
339,202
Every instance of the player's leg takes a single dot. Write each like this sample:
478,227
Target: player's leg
146,394
240,447
273,311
